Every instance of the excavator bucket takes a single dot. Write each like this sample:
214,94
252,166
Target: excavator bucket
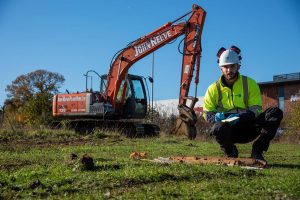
185,123
184,128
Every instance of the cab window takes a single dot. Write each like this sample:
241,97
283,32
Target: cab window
137,87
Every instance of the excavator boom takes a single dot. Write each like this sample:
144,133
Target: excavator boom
192,29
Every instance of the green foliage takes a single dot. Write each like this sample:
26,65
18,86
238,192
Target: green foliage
30,97
38,109
291,124
294,117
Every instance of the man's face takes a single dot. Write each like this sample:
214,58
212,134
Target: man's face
230,71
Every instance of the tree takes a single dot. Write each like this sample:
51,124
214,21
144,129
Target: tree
30,96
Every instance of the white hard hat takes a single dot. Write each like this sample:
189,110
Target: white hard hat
229,56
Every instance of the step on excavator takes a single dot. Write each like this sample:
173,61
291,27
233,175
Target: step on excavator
122,100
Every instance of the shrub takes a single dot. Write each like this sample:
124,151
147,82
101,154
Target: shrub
161,118
203,128
291,123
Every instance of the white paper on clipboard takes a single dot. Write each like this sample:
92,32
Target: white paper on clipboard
231,119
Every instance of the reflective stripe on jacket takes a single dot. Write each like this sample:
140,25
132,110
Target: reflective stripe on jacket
244,95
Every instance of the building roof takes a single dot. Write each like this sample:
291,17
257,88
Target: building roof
282,79
278,82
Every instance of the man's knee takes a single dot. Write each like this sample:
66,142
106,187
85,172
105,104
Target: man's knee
269,122
216,128
221,130
273,114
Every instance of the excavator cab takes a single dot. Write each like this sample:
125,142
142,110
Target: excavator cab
131,98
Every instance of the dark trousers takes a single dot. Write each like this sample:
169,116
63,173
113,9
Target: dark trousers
263,127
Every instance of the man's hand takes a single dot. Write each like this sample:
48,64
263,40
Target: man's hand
219,117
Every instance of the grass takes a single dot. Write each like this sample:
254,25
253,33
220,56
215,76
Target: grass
40,165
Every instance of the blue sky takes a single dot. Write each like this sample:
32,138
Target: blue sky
71,37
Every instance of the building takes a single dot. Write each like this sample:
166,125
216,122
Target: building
281,92
169,107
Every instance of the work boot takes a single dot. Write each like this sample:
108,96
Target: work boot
230,151
258,156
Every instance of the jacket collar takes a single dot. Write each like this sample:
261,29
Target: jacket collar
223,82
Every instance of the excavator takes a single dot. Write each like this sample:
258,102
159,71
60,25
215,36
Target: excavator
122,99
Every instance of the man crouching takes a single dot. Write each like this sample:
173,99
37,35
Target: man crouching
233,106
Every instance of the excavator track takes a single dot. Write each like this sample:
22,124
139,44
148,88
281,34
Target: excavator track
139,130
131,129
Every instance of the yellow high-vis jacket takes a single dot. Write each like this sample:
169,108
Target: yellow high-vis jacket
244,95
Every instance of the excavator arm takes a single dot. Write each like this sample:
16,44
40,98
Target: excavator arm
136,50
